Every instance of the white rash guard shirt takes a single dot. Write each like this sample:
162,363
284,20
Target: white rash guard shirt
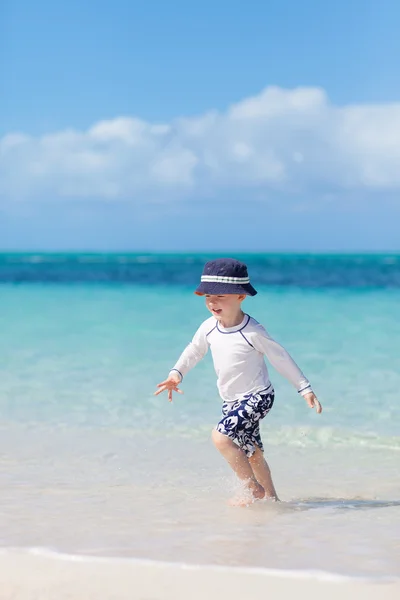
238,355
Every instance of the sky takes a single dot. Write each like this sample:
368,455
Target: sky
270,125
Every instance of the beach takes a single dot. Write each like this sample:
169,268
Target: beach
46,578
109,492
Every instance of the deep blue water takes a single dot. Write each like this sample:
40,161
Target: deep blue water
300,270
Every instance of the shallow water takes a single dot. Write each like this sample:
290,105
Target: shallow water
93,464
114,493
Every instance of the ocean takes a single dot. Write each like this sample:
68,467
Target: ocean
93,464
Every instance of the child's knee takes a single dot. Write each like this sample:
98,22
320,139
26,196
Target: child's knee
220,440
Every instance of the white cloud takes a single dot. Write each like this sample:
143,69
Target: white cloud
291,140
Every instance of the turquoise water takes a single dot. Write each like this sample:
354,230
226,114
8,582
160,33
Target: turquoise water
93,356
90,454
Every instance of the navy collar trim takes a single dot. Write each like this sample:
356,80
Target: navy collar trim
237,328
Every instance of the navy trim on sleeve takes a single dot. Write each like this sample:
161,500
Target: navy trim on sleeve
245,338
308,387
177,372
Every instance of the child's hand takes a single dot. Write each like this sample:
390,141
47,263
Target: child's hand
170,384
313,402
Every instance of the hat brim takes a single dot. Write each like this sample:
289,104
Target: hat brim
214,288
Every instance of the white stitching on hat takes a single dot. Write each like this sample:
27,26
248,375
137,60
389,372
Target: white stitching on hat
221,279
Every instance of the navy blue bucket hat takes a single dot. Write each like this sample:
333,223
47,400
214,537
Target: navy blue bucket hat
225,276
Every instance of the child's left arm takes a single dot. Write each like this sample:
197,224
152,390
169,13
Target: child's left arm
281,360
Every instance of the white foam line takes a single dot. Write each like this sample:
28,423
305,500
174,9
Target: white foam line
283,573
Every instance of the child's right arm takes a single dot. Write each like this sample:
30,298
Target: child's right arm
189,358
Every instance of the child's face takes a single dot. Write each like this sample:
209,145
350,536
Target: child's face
224,306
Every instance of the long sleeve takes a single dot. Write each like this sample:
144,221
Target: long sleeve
193,353
281,360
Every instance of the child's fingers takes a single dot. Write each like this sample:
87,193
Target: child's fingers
314,403
162,389
168,382
167,386
162,383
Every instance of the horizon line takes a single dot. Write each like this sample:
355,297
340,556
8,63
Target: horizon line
197,252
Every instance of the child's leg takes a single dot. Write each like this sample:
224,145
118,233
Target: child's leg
239,462
262,473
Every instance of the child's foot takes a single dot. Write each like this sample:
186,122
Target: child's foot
249,495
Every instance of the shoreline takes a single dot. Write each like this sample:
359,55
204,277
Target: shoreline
44,575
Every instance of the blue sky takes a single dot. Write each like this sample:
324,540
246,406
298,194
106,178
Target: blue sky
200,125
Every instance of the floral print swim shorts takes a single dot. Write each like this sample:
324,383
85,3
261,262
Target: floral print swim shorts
241,419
